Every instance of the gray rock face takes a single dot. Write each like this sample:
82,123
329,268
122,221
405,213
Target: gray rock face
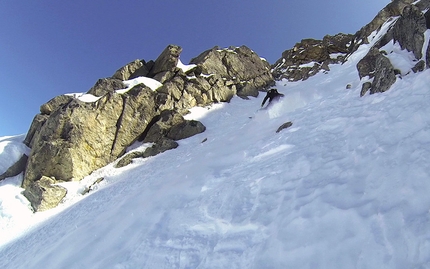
409,30
43,194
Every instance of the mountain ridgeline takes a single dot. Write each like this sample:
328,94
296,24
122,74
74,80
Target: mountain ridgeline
71,138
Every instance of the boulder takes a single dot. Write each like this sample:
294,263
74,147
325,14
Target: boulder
16,168
284,126
106,85
160,147
185,129
419,66
367,65
34,129
384,75
131,70
162,125
247,71
55,103
167,61
128,159
379,68
43,194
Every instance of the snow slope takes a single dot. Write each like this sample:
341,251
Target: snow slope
347,186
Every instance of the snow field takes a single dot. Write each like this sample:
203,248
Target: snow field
346,186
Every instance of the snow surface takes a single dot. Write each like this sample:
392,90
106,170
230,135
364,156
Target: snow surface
148,82
347,186
185,67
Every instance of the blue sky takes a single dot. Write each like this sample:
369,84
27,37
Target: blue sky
48,48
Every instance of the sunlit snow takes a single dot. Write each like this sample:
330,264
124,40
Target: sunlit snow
185,68
148,82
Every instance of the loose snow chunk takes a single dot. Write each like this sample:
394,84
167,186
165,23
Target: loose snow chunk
184,67
149,82
311,64
84,97
336,55
88,98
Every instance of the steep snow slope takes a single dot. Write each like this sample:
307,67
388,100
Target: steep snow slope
347,186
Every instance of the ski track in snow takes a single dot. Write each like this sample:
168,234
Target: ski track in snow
345,187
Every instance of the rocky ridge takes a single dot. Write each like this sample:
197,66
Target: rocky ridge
70,137
407,22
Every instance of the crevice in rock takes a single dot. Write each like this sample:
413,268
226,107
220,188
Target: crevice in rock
150,124
118,123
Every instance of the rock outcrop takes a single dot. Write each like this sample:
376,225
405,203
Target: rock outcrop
378,68
311,56
409,30
389,12
71,138
239,66
408,24
44,194
407,19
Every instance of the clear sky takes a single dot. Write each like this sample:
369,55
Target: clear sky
51,47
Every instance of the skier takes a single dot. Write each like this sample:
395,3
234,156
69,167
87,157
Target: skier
272,94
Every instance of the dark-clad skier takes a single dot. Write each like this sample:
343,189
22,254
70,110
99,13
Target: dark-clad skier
272,95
